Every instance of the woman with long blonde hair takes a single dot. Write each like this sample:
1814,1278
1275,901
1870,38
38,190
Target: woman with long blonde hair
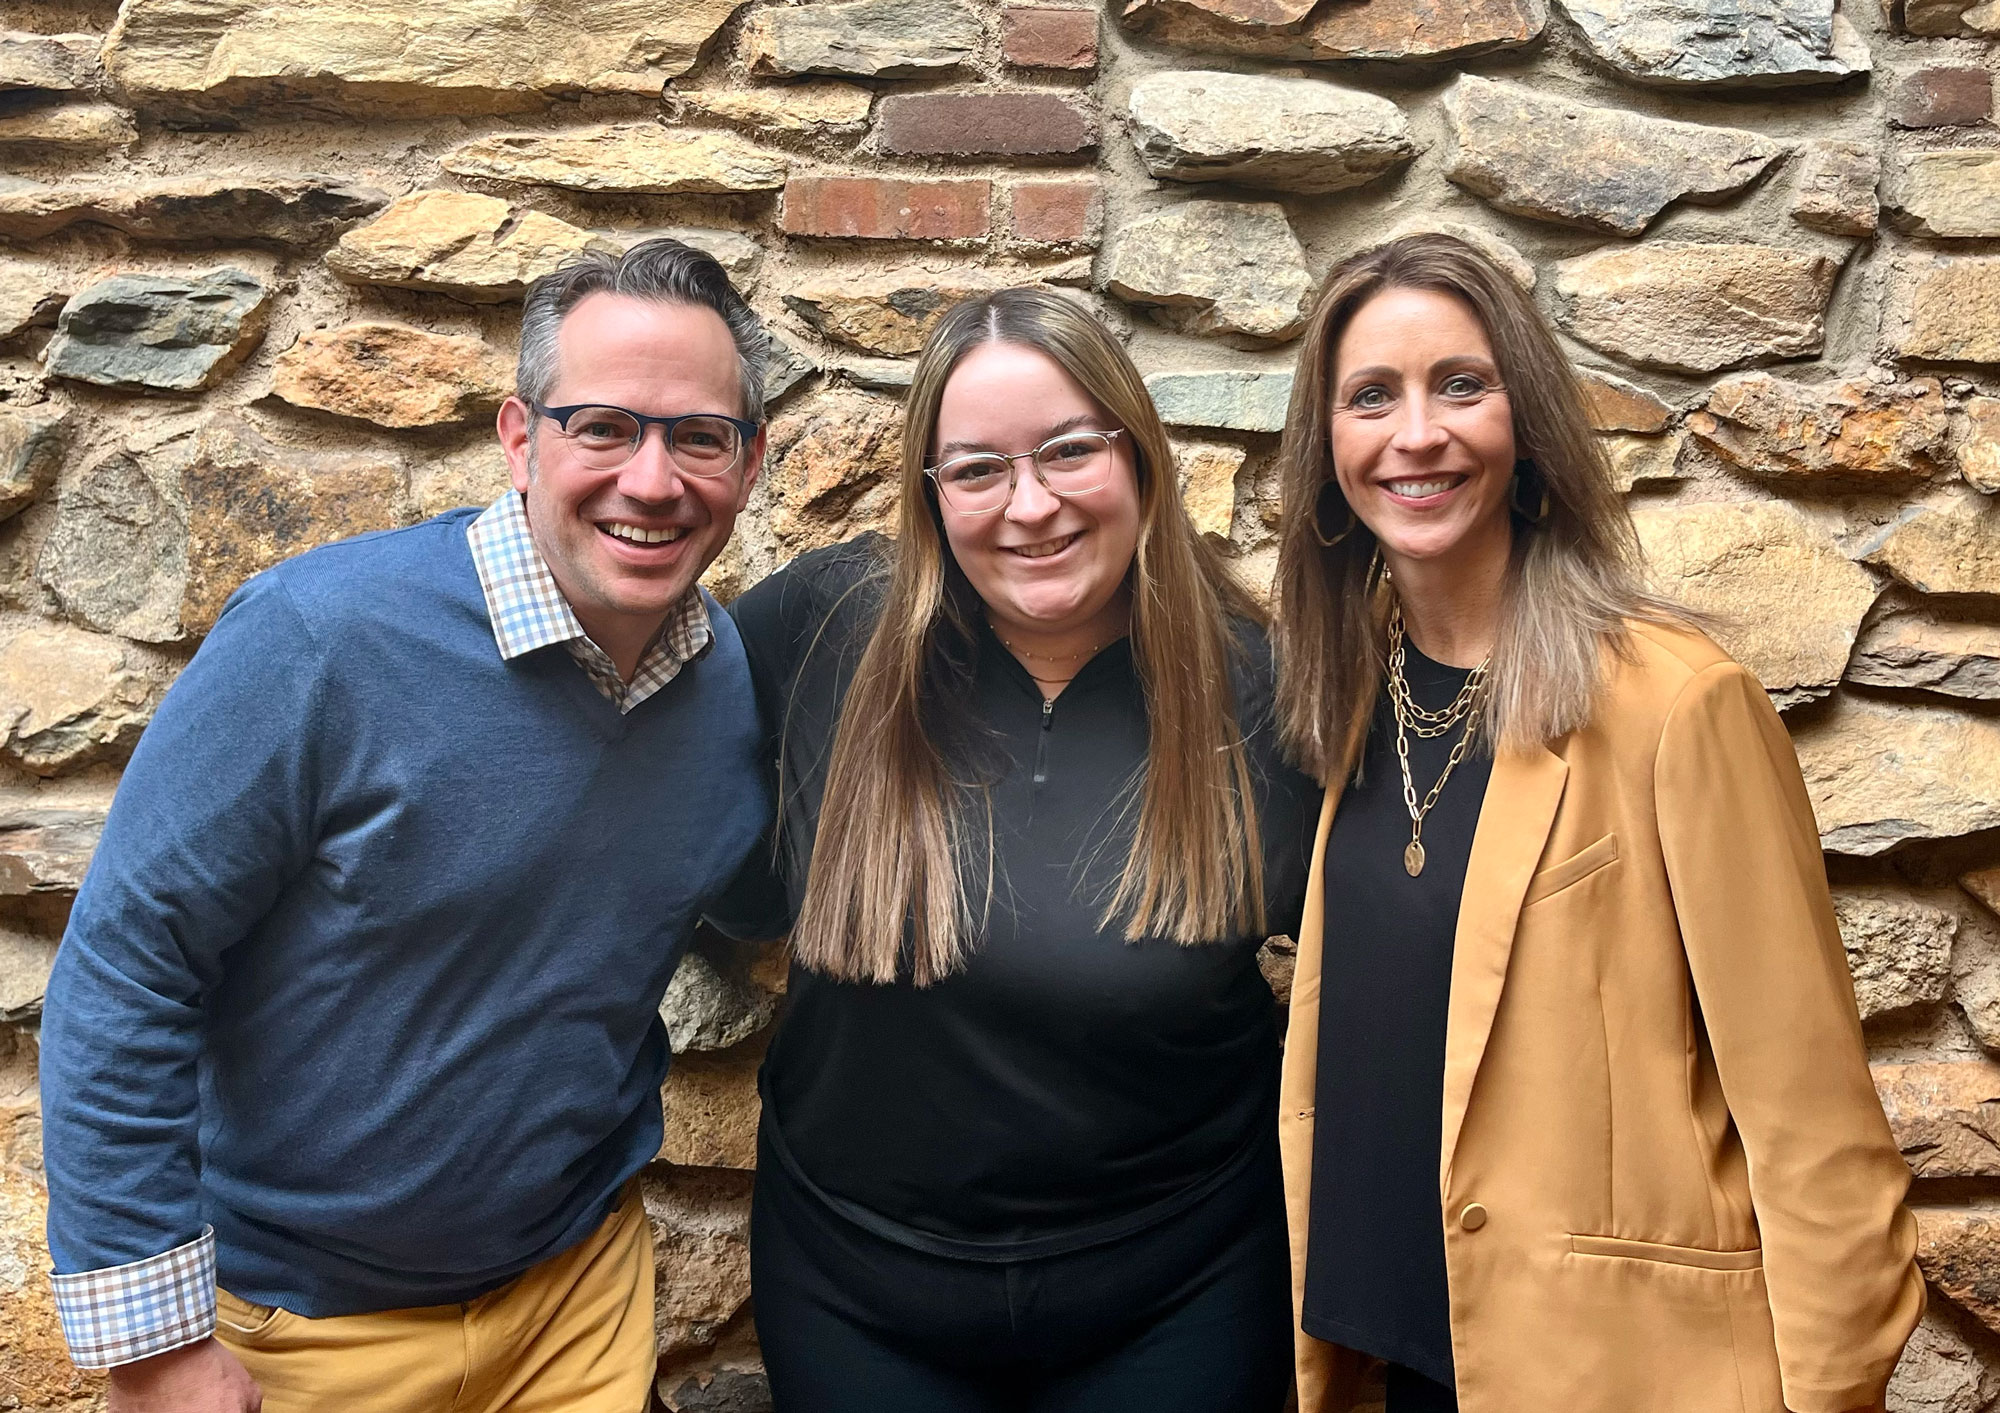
1016,1149
1576,1113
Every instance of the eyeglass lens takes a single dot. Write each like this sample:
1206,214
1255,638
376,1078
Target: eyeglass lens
1070,465
604,437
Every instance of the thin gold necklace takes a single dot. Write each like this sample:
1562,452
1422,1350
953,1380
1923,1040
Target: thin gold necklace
1412,719
1089,652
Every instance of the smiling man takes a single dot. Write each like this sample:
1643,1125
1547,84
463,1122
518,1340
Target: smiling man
352,1051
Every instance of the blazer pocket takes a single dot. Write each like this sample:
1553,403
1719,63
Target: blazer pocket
240,1318
1572,870
1697,1256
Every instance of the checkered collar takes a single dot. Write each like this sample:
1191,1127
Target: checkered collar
528,610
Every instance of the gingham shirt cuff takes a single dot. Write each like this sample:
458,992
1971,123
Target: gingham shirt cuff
122,1313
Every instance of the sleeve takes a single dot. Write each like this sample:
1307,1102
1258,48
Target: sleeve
755,906
1826,1181
213,816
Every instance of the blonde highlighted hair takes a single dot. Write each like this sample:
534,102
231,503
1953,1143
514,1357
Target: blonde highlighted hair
903,826
1574,580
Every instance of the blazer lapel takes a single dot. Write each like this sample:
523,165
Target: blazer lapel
1522,796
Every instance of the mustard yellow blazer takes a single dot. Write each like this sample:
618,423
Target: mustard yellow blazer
1666,1181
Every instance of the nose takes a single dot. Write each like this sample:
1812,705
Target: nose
652,474
1031,500
1416,428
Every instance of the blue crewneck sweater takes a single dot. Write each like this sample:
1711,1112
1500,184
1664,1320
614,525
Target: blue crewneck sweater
366,970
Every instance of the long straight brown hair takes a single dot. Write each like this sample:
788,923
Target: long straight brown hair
905,823
1573,580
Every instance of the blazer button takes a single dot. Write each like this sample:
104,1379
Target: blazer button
1473,1217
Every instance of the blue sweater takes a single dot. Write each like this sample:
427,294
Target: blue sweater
366,969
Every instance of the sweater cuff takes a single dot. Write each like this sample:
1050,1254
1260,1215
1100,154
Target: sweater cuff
119,1314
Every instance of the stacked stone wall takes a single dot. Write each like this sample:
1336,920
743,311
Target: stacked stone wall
260,267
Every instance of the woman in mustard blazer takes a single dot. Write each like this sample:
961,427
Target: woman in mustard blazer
1576,1113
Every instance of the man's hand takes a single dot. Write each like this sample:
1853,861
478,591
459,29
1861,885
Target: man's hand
197,1378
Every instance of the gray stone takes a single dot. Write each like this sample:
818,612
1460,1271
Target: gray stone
1898,950
728,1391
159,333
69,699
1913,651
53,63
117,557
1600,168
1230,399
1697,308
708,1008
734,251
1395,31
32,442
889,375
1952,194
1836,187
1215,267
1291,134
1881,774
1949,546
292,211
46,849
1720,43
787,368
870,38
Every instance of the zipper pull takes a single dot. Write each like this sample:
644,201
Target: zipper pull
1048,711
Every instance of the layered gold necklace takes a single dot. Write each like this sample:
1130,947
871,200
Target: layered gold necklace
1413,720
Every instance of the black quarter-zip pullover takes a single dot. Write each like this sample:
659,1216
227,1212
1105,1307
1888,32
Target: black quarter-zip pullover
1065,1083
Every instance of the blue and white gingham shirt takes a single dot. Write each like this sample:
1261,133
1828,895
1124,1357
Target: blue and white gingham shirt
119,1314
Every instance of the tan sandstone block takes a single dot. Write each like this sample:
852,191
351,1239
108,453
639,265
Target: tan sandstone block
626,157
1410,31
1979,444
711,1106
1952,194
1959,1251
1945,1115
376,59
1898,948
833,466
888,313
1950,547
1861,432
1789,603
69,698
392,375
1618,406
701,1253
803,108
1882,774
474,248
1950,308
72,128
1208,484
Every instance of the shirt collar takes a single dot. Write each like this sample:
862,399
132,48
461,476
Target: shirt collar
528,610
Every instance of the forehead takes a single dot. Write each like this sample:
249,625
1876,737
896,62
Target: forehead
616,348
1003,390
1411,326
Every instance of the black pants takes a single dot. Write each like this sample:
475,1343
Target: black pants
1190,1316
1411,1392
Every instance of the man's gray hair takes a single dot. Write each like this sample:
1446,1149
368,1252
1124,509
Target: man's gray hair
660,269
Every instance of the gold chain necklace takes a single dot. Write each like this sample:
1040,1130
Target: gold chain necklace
1412,719
1091,651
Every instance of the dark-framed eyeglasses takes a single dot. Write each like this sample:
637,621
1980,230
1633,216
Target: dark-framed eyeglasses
1068,464
604,437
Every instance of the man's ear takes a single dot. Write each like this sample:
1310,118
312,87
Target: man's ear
516,424
753,466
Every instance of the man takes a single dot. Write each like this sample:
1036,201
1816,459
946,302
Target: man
356,1015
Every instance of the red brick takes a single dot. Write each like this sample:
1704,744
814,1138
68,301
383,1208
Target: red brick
1036,37
886,208
1943,97
984,125
1057,212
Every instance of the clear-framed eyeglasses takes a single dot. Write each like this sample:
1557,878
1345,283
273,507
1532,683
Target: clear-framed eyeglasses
1070,464
604,438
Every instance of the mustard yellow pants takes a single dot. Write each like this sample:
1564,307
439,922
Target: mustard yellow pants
571,1335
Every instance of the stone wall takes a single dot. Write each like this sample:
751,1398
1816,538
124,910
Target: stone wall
260,266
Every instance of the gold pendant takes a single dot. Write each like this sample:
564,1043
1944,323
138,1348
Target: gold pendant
1413,858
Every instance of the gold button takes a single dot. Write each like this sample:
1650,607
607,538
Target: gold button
1473,1217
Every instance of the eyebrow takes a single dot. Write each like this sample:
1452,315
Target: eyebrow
1068,424
1456,361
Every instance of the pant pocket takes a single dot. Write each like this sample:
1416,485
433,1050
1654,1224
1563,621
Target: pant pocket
240,1319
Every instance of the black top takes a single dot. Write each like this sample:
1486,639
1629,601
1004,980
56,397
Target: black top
1375,1276
1066,1084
